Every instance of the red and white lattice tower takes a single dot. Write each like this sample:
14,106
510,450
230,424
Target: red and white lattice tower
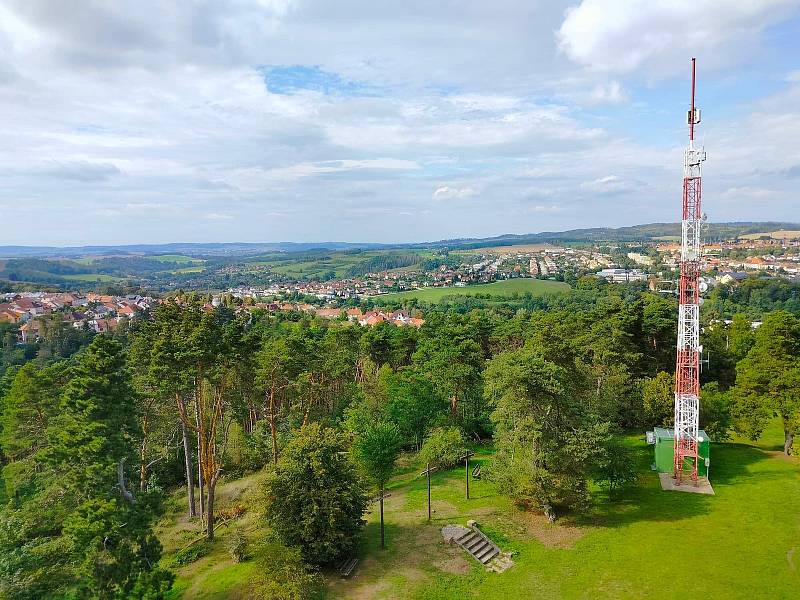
687,368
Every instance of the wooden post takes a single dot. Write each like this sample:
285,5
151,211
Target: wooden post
465,458
466,474
383,546
428,471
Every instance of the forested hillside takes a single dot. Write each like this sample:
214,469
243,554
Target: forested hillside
99,431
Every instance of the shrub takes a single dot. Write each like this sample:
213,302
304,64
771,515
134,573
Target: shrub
237,546
618,471
281,574
443,447
316,500
191,554
247,452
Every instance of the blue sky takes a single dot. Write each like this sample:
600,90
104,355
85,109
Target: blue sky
268,120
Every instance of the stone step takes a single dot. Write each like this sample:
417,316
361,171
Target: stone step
487,555
467,537
478,546
475,544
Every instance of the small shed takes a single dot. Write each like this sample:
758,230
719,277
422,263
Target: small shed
665,450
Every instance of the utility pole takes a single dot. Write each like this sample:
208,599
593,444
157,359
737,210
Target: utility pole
687,367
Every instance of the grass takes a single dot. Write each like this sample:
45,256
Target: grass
214,576
498,288
319,264
91,277
175,258
512,249
744,542
777,235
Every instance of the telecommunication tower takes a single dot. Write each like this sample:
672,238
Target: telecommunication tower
687,367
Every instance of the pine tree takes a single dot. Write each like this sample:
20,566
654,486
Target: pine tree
82,534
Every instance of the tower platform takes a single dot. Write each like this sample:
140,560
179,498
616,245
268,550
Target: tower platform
703,485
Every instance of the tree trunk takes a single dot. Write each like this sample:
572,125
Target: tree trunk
142,463
187,455
210,508
200,476
788,442
273,429
454,406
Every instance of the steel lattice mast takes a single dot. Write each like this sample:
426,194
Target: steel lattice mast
687,368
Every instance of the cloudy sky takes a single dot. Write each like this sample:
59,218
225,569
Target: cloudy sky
269,120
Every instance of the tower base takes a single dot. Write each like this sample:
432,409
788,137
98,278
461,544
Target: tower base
703,485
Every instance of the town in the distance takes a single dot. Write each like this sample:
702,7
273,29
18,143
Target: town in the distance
102,289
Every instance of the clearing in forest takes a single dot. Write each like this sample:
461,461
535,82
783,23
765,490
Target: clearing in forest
616,551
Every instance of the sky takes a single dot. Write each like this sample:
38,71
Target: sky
301,120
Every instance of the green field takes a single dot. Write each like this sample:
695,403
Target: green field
175,258
498,288
321,264
91,277
744,542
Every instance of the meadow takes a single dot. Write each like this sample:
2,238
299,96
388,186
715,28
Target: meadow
498,288
92,277
744,542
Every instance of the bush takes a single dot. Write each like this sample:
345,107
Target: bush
618,471
281,574
191,554
444,447
237,546
316,500
247,452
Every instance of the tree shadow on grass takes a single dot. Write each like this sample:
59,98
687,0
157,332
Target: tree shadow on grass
731,464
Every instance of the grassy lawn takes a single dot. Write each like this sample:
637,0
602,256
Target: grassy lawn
498,288
744,542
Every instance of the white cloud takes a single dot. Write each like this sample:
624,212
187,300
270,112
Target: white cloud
609,93
158,114
541,208
447,192
609,184
659,35
340,166
216,216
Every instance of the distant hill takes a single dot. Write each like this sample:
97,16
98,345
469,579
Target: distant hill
648,232
192,249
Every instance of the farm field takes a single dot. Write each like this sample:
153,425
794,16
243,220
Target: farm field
742,543
102,277
776,235
327,264
498,288
176,258
506,249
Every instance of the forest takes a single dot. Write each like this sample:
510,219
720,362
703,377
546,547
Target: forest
97,430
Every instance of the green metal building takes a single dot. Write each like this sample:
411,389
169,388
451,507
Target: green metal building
663,439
